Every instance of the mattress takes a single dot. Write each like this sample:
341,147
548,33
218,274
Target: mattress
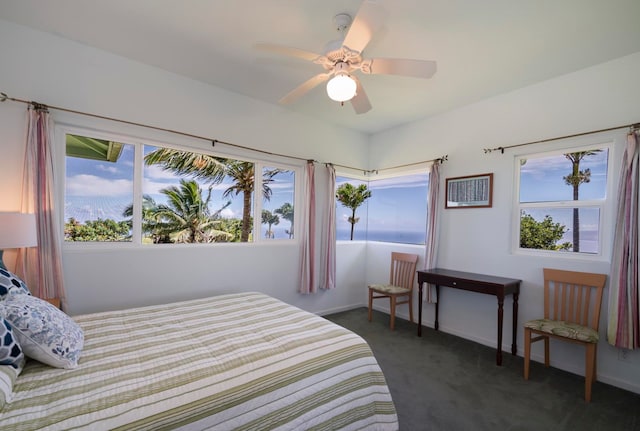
232,362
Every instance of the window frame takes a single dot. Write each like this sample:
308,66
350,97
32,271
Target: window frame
605,206
165,140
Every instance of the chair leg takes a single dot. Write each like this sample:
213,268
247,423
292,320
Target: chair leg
590,370
370,304
527,352
411,307
392,300
546,352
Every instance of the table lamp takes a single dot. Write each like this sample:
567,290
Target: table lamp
17,230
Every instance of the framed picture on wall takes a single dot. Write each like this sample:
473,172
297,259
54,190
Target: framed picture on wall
473,191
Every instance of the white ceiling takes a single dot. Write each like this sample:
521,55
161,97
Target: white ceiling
483,47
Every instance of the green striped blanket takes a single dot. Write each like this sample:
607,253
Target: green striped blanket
232,362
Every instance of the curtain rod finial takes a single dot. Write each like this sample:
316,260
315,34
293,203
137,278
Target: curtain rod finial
3,97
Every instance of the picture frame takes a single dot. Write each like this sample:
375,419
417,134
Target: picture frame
472,191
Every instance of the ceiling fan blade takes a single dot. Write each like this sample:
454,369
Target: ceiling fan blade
304,87
289,52
401,66
360,101
368,20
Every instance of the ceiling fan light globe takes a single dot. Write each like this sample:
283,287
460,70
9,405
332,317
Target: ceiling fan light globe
341,88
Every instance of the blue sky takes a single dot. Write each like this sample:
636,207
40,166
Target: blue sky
541,178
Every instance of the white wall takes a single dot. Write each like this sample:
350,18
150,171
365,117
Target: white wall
479,240
60,73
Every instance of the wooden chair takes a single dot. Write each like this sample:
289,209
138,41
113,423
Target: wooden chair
401,281
572,303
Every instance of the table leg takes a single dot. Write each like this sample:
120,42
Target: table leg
420,309
437,304
500,318
515,324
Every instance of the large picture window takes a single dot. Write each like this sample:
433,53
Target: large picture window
395,211
561,199
150,194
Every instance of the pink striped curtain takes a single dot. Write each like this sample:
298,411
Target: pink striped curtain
328,232
41,266
624,302
432,224
318,261
307,234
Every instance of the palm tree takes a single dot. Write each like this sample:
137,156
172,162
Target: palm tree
148,224
286,211
352,197
270,219
186,218
575,179
214,170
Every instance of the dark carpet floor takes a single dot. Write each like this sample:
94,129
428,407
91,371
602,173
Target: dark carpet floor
443,382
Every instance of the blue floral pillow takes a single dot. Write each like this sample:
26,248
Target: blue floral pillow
43,331
10,282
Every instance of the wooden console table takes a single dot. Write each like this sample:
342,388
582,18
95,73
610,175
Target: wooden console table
488,284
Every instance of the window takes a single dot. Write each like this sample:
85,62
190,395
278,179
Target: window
395,212
98,189
561,200
277,202
181,196
398,209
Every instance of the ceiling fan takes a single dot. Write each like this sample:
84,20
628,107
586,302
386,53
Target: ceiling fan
342,57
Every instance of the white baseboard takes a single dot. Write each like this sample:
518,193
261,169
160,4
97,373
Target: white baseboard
338,309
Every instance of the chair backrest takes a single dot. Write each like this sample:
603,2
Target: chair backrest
573,296
403,269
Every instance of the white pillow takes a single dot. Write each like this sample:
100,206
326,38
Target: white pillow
43,331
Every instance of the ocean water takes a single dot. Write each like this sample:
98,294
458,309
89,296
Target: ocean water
402,237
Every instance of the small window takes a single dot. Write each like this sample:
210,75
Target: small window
561,200
98,189
277,203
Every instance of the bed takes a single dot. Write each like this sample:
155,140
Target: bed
231,362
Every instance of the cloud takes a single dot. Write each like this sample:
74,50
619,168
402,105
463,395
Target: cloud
109,169
157,173
228,213
150,187
91,185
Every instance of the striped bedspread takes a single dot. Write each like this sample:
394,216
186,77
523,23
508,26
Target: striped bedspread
232,362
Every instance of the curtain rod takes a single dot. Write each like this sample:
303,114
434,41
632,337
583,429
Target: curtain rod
4,97
634,126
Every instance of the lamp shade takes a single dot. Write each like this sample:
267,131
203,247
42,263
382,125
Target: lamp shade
341,88
17,230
